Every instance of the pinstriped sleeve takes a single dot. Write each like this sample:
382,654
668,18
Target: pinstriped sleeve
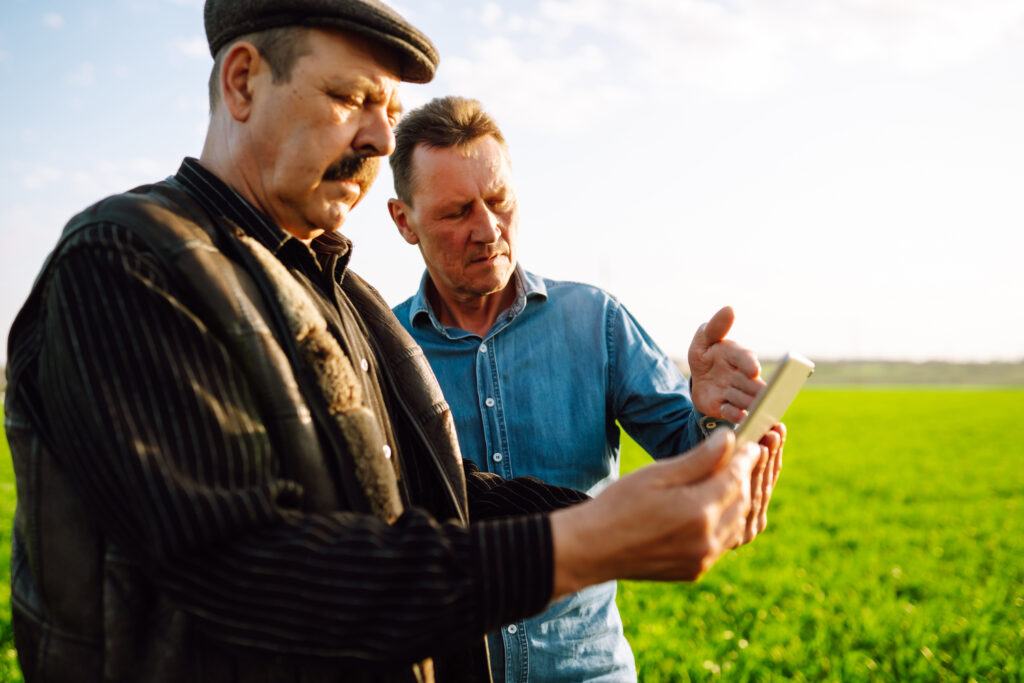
157,426
509,508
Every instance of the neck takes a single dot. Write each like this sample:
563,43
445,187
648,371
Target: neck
476,314
218,159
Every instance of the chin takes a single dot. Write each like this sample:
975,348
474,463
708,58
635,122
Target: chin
335,218
493,286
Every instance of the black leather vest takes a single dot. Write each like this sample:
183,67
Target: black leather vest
82,610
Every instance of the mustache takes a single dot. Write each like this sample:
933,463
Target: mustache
361,170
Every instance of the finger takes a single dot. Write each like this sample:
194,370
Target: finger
731,413
762,518
777,468
772,440
731,529
779,429
737,397
697,464
734,521
757,481
721,322
771,476
751,387
725,485
741,357
773,443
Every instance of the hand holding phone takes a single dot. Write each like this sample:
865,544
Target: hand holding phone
773,400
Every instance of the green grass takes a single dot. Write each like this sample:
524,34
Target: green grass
9,670
895,551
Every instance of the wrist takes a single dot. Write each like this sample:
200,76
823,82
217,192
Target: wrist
576,556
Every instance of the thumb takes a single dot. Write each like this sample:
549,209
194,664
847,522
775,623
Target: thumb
719,325
698,463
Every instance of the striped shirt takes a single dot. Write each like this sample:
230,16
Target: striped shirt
158,428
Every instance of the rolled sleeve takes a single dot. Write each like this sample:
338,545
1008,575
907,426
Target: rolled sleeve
650,396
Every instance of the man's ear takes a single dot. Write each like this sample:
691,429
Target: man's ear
399,211
237,75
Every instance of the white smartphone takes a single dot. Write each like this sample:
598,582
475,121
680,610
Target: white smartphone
771,403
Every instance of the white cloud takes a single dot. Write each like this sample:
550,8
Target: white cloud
41,176
193,48
53,20
746,47
504,78
917,35
107,177
490,15
87,184
83,76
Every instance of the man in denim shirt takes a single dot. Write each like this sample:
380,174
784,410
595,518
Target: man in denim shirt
537,372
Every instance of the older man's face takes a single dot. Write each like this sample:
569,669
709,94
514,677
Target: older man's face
316,140
464,217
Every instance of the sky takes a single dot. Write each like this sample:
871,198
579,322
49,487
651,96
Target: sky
847,174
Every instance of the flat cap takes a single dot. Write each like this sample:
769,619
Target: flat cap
229,19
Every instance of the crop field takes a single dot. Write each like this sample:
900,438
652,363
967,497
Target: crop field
8,658
895,552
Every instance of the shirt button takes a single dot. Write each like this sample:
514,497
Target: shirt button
497,457
365,365
512,628
387,451
489,402
483,348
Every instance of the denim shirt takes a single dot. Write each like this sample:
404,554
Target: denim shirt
539,396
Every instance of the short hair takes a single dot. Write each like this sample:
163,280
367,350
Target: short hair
281,47
442,123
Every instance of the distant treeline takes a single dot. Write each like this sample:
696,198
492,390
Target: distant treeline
907,372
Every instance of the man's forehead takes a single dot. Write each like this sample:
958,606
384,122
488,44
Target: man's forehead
481,150
448,173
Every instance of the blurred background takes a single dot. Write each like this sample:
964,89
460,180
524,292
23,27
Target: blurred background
847,174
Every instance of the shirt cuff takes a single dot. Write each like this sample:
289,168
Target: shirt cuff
707,424
514,562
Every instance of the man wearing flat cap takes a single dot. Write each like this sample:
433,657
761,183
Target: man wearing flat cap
234,465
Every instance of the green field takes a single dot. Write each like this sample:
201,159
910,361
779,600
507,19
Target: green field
8,658
895,552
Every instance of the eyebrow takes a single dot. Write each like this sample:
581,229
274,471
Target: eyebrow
375,92
395,107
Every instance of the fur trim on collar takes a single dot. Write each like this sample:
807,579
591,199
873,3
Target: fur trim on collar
338,383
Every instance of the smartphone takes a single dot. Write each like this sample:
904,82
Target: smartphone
771,403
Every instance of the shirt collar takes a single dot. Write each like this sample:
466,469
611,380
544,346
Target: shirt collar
528,286
221,199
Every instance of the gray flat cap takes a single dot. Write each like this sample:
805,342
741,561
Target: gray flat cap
229,19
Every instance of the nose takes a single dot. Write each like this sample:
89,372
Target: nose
375,136
486,226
